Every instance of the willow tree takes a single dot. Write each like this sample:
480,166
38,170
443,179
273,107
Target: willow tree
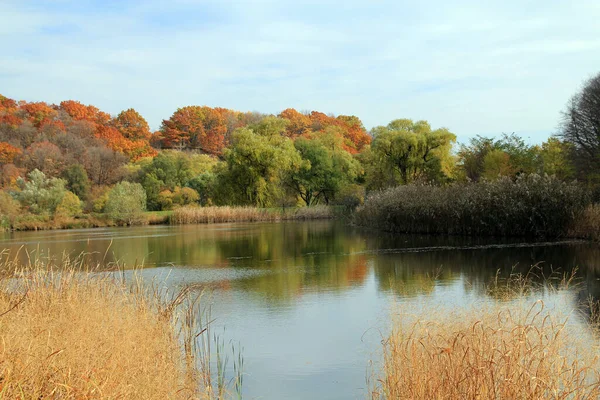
405,151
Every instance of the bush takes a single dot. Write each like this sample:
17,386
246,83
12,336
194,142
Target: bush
39,194
70,205
126,203
532,206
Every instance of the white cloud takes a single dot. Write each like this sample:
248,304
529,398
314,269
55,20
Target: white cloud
473,67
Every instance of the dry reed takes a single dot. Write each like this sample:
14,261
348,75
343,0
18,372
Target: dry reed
501,350
587,226
82,335
210,215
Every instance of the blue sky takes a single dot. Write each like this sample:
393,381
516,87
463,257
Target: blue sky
476,67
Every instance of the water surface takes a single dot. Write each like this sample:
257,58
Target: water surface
310,301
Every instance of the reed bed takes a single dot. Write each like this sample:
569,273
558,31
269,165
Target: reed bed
530,206
211,215
67,334
505,349
587,226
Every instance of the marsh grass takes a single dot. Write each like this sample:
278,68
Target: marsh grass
70,332
210,215
587,225
530,206
517,346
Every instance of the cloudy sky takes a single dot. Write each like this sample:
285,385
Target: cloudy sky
476,67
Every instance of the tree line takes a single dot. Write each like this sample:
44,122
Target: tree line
71,158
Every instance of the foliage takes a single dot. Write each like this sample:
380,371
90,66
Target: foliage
325,168
40,194
531,205
195,127
126,202
405,151
69,206
257,162
8,153
77,180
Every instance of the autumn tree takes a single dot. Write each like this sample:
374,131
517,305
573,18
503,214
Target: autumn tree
8,153
299,124
46,157
132,125
103,165
197,127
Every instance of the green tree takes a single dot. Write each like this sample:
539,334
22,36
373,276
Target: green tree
496,164
40,195
77,180
168,170
126,202
555,159
407,150
324,169
69,206
256,164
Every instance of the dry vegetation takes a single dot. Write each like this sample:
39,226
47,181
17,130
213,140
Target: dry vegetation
210,215
77,335
530,206
587,225
503,350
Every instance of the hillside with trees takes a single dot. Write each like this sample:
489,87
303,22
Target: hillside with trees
74,161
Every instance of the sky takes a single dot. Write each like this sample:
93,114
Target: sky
475,67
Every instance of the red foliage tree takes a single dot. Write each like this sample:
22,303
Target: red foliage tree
38,112
132,125
299,125
8,153
197,127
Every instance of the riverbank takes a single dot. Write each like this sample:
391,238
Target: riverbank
183,215
73,334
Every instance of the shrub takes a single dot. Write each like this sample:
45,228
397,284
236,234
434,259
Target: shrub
531,205
70,205
40,194
126,203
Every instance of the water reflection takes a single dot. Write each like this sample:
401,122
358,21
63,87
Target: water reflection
308,300
294,258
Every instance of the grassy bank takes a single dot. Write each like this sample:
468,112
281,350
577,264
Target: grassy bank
209,215
508,349
530,206
31,222
183,215
78,335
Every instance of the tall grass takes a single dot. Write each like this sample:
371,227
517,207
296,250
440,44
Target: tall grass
71,334
210,215
587,225
531,206
518,349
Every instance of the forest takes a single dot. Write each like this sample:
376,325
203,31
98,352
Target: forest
71,164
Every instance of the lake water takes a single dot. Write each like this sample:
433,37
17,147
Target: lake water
309,302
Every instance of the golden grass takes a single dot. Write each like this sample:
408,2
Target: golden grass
210,215
587,225
497,351
74,335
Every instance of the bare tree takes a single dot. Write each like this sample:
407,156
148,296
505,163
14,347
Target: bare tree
581,127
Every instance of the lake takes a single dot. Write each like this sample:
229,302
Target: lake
310,302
